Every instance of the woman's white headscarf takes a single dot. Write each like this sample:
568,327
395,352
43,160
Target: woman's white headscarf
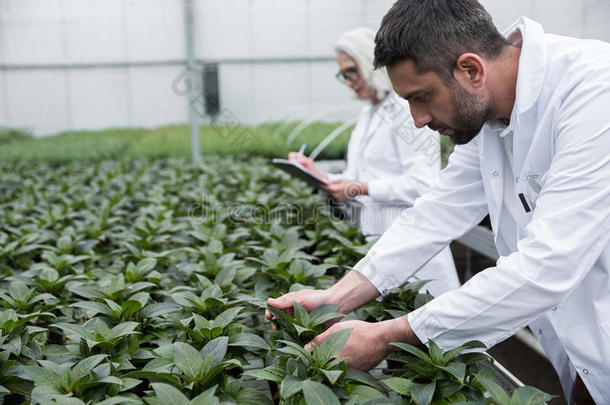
359,44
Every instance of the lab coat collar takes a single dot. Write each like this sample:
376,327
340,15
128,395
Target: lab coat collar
530,80
532,62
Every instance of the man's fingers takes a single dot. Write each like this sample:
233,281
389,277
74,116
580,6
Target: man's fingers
283,302
318,339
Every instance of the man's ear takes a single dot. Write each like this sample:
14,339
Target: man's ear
470,70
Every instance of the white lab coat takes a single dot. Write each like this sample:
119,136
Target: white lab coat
399,162
554,269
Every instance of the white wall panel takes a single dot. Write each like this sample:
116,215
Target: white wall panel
155,30
119,31
99,98
505,13
31,31
597,14
327,92
279,28
563,17
152,98
373,12
37,100
329,19
236,90
95,31
222,29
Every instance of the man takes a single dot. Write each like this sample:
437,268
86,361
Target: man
529,112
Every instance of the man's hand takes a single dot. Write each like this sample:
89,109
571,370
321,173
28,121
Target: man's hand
308,164
349,293
310,299
369,343
344,190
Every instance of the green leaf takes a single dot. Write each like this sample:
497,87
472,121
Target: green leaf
251,396
141,298
422,393
188,359
458,370
436,354
158,309
93,307
146,265
414,351
123,329
290,385
74,329
273,373
84,367
529,396
473,344
400,385
169,395
225,276
207,397
332,375
66,400
226,317
118,400
248,340
324,313
364,393
301,329
217,348
43,376
494,390
318,394
295,349
300,314
363,378
333,344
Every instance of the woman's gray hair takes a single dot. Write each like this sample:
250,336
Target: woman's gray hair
359,44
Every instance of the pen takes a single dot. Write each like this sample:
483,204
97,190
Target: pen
302,150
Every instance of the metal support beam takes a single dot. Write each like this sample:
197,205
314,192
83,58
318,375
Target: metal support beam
192,74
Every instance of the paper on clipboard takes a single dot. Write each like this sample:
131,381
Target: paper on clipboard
295,169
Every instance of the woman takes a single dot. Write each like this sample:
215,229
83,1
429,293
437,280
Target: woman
389,161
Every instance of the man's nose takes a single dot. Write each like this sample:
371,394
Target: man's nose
420,116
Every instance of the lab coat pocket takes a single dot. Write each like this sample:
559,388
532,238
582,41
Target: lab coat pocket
528,190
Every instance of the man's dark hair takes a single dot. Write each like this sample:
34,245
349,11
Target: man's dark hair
434,33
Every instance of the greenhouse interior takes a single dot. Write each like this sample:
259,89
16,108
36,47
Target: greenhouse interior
304,202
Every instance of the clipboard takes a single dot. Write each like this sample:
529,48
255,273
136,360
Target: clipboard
295,169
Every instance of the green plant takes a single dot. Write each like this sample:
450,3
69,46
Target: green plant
122,292
304,326
318,377
88,379
437,375
520,396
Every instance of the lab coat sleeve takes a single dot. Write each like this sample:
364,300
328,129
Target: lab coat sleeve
454,205
419,152
568,231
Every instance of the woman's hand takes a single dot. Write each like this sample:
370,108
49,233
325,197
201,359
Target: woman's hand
343,190
307,163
